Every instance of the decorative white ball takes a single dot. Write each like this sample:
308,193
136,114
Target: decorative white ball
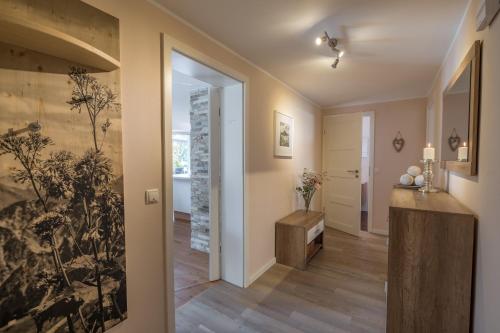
406,179
419,180
414,171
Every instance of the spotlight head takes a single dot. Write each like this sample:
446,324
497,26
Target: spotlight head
341,54
318,41
335,63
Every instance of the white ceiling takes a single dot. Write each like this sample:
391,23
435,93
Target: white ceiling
181,80
393,47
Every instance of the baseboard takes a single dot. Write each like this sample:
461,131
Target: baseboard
261,271
382,232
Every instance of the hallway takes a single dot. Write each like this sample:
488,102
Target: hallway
341,291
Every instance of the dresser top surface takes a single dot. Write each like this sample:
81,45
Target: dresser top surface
441,202
300,218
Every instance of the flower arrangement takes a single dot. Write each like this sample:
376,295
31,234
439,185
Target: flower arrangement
311,182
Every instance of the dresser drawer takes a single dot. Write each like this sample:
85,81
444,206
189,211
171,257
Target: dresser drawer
315,231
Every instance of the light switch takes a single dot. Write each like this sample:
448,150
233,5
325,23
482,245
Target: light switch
152,196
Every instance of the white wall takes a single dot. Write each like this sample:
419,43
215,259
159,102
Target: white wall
365,160
365,151
182,194
180,108
480,193
180,122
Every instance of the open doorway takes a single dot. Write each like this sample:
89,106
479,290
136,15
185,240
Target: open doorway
366,172
191,249
207,177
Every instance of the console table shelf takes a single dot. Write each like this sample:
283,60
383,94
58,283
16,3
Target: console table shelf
299,237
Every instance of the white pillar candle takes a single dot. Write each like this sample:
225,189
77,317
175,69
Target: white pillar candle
429,152
463,153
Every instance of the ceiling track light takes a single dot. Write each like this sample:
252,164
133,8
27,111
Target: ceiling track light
335,63
332,43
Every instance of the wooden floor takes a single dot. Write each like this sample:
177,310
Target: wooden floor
341,291
191,266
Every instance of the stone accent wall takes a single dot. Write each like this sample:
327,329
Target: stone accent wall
200,158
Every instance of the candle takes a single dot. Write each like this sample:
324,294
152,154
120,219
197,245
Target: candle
429,152
463,153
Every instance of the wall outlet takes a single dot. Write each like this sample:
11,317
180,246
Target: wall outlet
152,196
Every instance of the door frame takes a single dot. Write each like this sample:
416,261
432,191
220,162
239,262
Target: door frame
371,168
214,170
168,45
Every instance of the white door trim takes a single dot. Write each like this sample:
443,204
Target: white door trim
371,177
168,45
214,168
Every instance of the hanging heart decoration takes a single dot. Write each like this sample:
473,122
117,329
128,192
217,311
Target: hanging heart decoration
398,143
454,140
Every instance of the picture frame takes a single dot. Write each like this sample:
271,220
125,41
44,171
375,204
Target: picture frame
472,60
283,135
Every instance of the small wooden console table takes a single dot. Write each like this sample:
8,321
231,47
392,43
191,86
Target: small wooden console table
299,236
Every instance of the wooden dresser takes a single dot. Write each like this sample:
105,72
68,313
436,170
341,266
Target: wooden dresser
299,236
431,246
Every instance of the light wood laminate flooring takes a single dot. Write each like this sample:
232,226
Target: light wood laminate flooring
190,266
341,291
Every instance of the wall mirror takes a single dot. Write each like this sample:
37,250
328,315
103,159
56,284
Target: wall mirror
460,124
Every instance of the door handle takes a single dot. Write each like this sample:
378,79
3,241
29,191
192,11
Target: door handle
355,172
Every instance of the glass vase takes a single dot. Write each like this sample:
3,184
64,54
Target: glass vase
307,203
307,199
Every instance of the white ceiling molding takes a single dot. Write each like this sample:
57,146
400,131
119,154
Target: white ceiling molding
372,102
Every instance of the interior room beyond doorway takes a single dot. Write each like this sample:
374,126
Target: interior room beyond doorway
207,151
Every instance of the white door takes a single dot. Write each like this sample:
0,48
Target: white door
214,171
342,136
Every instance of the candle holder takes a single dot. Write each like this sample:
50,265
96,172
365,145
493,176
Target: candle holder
428,177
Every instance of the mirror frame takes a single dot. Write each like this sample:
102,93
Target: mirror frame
473,58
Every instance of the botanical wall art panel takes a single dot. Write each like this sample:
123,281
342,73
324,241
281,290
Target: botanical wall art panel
62,228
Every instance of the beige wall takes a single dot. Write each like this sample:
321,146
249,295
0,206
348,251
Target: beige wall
407,116
481,193
270,193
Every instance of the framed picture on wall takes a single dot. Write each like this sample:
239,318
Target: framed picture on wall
283,135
